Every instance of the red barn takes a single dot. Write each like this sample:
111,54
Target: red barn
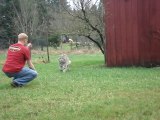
132,32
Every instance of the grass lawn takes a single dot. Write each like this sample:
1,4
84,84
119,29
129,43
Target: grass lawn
89,91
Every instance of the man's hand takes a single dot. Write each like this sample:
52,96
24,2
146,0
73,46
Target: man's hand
30,65
29,45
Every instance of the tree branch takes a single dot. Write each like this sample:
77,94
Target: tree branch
18,16
97,43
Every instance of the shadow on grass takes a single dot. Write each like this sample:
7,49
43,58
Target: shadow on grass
7,86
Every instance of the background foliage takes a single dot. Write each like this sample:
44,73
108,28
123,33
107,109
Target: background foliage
43,18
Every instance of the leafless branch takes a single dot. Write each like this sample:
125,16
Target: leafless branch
18,17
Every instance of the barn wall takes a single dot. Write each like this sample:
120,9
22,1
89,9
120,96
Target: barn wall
132,32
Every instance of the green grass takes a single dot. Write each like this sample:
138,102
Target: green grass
89,91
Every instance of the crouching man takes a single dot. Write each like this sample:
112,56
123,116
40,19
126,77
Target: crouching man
17,56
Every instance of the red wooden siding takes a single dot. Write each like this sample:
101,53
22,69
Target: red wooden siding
132,32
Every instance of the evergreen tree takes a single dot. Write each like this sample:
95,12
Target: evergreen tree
7,29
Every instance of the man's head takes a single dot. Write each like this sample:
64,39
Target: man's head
23,38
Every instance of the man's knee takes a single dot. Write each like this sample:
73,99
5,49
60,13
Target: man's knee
34,74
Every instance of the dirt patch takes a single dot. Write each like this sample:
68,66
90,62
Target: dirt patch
3,51
80,51
53,51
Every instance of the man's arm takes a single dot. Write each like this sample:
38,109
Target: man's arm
30,64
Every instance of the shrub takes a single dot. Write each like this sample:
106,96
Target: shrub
54,40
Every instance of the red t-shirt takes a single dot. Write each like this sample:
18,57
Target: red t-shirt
16,58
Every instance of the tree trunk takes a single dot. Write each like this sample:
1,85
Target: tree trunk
48,48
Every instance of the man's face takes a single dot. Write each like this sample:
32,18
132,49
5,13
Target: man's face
25,41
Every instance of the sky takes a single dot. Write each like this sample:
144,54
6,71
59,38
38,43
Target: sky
72,5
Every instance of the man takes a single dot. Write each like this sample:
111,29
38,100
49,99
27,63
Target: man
18,54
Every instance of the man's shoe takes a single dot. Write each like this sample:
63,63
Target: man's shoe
14,84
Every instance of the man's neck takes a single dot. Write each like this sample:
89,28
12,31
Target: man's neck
20,42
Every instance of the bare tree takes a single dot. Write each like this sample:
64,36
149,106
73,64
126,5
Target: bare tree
88,21
26,19
32,18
